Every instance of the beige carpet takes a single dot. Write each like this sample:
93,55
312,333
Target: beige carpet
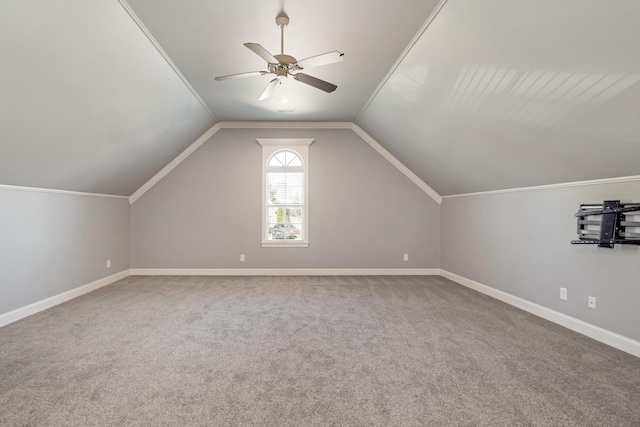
306,351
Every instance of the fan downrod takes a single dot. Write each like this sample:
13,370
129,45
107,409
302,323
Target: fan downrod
285,61
283,65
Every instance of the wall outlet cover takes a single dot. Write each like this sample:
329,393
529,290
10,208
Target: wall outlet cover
591,302
563,293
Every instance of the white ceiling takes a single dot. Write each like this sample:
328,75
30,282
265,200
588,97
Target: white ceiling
204,38
87,102
493,94
513,93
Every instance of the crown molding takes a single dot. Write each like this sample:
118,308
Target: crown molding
402,56
164,55
175,162
287,125
549,186
51,190
397,163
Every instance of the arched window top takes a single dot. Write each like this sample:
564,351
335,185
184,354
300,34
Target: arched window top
285,189
285,159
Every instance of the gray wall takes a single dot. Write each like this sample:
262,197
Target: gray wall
363,212
519,243
52,243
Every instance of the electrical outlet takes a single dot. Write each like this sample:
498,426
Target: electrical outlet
241,257
108,263
406,257
592,302
563,293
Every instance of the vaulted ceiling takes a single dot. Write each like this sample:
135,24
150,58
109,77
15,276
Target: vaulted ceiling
516,93
471,96
205,39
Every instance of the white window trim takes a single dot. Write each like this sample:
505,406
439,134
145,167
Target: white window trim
300,146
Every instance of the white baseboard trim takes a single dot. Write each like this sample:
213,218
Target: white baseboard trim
39,306
595,332
285,271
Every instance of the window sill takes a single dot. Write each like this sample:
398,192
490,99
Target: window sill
285,244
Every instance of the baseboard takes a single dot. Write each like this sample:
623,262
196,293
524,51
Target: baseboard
285,271
36,307
595,332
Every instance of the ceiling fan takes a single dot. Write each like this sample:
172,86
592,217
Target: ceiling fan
285,65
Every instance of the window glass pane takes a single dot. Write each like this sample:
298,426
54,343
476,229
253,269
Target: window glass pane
284,223
285,158
285,187
284,194
277,159
292,159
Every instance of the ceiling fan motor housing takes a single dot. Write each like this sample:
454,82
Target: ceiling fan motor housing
286,65
286,59
282,20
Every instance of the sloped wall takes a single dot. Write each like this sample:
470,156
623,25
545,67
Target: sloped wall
363,213
52,243
519,243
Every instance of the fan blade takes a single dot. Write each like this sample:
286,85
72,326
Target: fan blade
324,59
315,82
240,75
267,91
262,52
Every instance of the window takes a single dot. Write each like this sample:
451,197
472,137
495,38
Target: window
285,167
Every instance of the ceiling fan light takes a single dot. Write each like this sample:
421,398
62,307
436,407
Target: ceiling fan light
284,66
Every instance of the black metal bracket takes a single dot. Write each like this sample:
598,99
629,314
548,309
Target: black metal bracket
613,224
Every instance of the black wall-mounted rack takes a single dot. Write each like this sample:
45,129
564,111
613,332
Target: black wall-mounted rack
613,224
